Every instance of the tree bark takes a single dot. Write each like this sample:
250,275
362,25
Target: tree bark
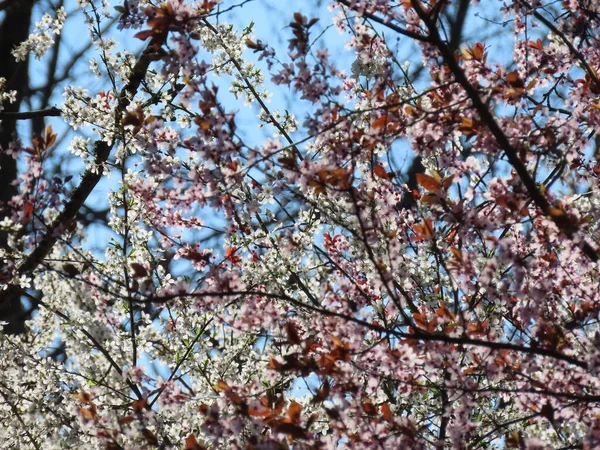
13,30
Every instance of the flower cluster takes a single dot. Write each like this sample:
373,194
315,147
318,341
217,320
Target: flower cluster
42,38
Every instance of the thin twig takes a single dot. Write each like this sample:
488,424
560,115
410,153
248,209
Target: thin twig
388,24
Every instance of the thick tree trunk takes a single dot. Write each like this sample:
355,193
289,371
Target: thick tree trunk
13,30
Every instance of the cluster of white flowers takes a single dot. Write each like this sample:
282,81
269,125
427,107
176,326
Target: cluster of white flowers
82,110
369,69
287,121
227,45
42,38
224,37
79,147
6,96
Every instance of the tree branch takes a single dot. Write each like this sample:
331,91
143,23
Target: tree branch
30,114
418,334
387,24
458,24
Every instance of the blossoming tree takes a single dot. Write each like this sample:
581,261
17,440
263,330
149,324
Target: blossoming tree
297,287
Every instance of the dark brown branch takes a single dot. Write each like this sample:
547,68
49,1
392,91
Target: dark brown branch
6,4
457,25
14,29
30,114
444,418
418,334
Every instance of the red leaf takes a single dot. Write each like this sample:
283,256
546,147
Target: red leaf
83,398
231,256
424,230
139,405
369,408
126,420
385,123
150,437
221,386
457,253
386,412
192,444
537,45
477,52
49,137
292,333
294,412
428,182
446,182
88,413
234,398
143,35
38,143
381,172
443,311
420,320
431,199
274,364
381,122
28,209
513,79
139,271
259,410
